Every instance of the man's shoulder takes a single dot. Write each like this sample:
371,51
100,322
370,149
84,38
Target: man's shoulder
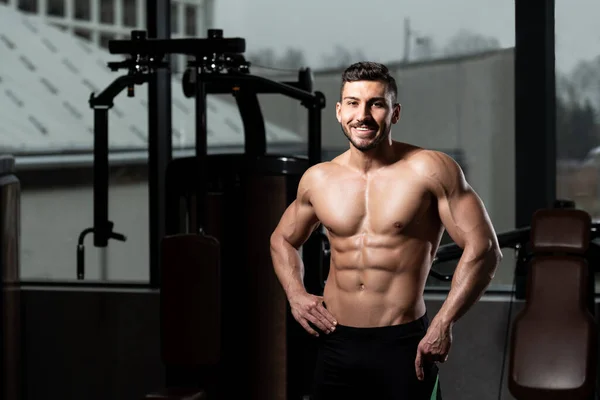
318,172
321,169
435,166
314,179
429,160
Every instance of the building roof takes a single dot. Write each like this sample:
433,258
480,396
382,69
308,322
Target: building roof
47,77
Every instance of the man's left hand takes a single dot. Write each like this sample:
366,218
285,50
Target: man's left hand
434,347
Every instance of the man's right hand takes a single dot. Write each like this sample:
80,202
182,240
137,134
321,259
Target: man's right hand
309,308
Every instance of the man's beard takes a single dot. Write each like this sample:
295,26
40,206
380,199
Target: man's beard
364,147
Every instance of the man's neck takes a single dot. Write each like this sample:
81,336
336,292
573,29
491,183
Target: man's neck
374,159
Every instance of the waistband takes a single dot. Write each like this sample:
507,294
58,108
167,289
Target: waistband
416,327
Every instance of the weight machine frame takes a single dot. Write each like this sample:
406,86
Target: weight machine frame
218,67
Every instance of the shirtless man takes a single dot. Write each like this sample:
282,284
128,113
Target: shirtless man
384,205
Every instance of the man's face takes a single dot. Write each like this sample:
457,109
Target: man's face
366,113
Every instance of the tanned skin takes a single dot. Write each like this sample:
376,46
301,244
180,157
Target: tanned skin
384,205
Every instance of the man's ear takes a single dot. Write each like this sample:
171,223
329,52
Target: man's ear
396,113
338,109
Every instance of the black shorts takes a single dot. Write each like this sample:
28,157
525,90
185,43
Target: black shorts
374,363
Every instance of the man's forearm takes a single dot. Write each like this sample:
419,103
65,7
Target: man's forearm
470,281
288,265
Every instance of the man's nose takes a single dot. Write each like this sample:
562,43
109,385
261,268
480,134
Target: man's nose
364,113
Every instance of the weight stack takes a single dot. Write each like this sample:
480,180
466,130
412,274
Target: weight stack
264,352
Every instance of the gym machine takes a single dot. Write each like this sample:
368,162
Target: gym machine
247,337
225,321
553,340
10,315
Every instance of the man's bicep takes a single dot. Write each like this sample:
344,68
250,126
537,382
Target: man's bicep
462,211
300,219
466,220
297,223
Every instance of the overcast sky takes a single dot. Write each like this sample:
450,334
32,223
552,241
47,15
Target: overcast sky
376,27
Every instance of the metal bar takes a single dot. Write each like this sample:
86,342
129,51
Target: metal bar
159,135
221,84
201,152
189,46
314,129
535,108
227,84
101,177
255,136
106,97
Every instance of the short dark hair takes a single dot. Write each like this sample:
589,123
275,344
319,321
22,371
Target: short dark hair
370,71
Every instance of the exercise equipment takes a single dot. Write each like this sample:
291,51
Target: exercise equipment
10,314
224,70
145,57
224,315
553,340
262,347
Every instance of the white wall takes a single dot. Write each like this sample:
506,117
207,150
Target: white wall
51,221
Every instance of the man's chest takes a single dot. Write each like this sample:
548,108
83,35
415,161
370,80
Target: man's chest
381,206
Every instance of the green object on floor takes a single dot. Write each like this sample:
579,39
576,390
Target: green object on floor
435,389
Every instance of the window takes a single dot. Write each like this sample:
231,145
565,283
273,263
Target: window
56,8
578,107
82,10
27,5
454,69
62,59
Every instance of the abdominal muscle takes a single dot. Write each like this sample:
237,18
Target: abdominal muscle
376,282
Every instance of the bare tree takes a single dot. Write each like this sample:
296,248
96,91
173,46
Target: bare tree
577,110
586,81
263,57
292,58
342,57
465,42
424,49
